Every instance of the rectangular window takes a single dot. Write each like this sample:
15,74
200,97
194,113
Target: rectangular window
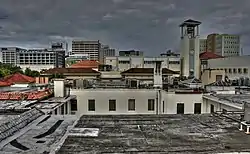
211,108
151,104
131,104
180,108
91,105
112,105
197,108
245,70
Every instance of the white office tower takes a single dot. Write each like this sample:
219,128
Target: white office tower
190,49
158,74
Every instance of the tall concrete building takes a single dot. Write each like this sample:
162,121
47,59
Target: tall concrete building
92,48
226,45
35,59
203,45
190,48
106,52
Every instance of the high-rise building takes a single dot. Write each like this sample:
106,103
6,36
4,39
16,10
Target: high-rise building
10,55
224,44
203,45
92,48
130,53
35,59
190,48
106,52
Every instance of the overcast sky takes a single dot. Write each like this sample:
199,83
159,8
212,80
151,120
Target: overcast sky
147,25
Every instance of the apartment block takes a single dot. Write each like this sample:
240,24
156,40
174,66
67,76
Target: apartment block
203,45
35,59
226,45
92,48
106,52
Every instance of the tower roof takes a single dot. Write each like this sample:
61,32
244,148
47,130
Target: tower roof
190,22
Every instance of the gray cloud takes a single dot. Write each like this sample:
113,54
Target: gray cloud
149,25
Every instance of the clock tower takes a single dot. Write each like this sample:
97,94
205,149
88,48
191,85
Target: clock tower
190,46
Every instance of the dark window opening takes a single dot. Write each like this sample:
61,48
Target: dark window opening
112,105
151,104
211,108
180,108
74,105
131,104
197,108
91,105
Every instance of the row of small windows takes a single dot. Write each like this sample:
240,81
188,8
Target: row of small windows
151,106
239,70
112,105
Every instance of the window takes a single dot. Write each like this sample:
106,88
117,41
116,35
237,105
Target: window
91,105
131,104
224,111
74,105
197,108
180,108
239,70
234,70
112,105
245,70
230,70
211,108
151,104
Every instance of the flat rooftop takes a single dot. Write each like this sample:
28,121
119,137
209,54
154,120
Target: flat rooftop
155,134
235,99
40,137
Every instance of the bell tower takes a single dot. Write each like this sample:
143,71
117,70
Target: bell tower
190,46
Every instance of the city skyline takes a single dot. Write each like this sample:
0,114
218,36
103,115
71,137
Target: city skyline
149,26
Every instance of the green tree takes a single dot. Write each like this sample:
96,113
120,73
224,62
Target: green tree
31,73
28,72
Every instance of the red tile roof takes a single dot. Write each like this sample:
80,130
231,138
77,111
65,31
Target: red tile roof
209,55
19,78
86,64
35,95
4,84
69,70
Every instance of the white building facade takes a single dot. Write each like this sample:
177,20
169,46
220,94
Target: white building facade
228,45
122,63
234,67
136,101
203,45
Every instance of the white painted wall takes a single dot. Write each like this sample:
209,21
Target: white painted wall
141,97
139,62
171,100
59,88
37,67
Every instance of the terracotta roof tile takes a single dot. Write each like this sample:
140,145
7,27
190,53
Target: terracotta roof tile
86,64
19,78
209,55
69,70
4,84
149,71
